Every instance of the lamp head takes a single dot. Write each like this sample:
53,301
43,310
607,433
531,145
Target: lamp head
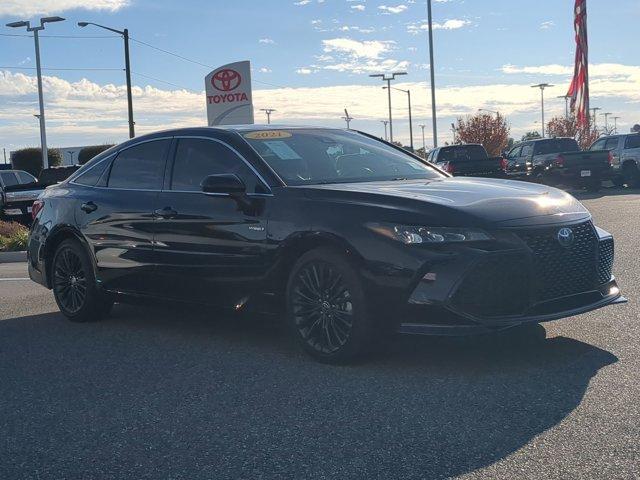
83,24
18,24
51,19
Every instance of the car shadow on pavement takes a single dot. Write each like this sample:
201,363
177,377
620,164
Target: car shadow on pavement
156,393
605,192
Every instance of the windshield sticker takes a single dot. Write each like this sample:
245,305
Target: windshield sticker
282,150
267,134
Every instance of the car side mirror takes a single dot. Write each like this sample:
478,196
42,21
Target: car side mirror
225,183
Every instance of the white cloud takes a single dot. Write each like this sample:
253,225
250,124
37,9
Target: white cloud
305,71
302,2
397,9
547,25
27,8
359,8
265,70
356,49
452,24
266,41
538,70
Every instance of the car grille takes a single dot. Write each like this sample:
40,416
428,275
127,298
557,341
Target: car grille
560,271
605,262
497,285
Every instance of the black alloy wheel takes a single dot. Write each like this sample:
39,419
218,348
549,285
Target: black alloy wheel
69,281
326,307
74,285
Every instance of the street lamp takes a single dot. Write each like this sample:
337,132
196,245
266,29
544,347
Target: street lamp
615,124
424,145
594,115
385,122
606,121
388,78
542,86
433,76
566,104
408,92
127,68
268,111
35,30
347,118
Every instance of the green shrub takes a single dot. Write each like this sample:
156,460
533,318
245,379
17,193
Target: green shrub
87,153
30,159
13,237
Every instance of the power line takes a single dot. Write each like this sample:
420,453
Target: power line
58,36
66,69
164,81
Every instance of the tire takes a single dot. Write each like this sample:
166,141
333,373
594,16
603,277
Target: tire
74,285
327,308
631,175
593,186
618,181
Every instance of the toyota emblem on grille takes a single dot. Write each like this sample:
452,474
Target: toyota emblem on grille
226,80
566,237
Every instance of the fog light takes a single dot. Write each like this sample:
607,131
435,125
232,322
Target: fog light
614,291
430,277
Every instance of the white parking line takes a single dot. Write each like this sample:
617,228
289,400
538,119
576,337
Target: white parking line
13,279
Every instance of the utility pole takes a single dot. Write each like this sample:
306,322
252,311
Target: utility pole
388,78
268,111
542,86
127,69
424,145
347,118
4,151
35,30
433,77
386,122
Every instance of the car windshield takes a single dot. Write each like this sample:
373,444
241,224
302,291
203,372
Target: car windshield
314,156
462,153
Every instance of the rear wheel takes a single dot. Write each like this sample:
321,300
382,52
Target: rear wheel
631,175
74,285
593,185
326,308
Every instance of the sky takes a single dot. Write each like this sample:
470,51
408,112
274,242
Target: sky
310,60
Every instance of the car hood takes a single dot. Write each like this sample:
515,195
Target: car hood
489,200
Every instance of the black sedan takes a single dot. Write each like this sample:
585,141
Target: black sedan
351,236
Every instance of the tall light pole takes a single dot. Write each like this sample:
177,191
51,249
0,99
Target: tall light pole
566,104
268,111
347,118
388,78
433,76
594,115
424,145
385,122
615,124
127,69
408,92
35,30
606,121
542,86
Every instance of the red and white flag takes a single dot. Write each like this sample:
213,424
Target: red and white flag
579,89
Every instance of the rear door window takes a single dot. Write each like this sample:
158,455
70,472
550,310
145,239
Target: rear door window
599,145
612,143
26,178
140,167
515,152
633,141
527,150
9,179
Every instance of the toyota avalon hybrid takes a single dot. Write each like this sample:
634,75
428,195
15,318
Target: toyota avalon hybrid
352,237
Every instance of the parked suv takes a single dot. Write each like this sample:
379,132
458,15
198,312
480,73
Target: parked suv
354,237
625,157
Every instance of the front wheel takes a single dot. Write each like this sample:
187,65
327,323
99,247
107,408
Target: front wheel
326,307
74,285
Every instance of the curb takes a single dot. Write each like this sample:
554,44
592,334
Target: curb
13,257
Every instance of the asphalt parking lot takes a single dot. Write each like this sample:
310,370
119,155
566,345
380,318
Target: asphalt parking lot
179,394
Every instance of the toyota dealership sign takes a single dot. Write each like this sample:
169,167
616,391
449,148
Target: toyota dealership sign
229,100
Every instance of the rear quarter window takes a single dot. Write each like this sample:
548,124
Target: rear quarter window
633,141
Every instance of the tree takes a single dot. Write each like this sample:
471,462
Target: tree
491,131
567,127
30,159
530,136
87,153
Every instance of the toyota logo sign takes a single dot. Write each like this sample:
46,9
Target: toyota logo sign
226,80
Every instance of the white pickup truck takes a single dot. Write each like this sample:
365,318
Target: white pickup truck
625,153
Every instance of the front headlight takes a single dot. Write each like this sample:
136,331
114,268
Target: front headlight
412,235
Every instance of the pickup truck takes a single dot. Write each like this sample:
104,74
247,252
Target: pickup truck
469,160
18,190
559,161
625,157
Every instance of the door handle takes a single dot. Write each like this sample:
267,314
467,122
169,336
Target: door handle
166,212
89,207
